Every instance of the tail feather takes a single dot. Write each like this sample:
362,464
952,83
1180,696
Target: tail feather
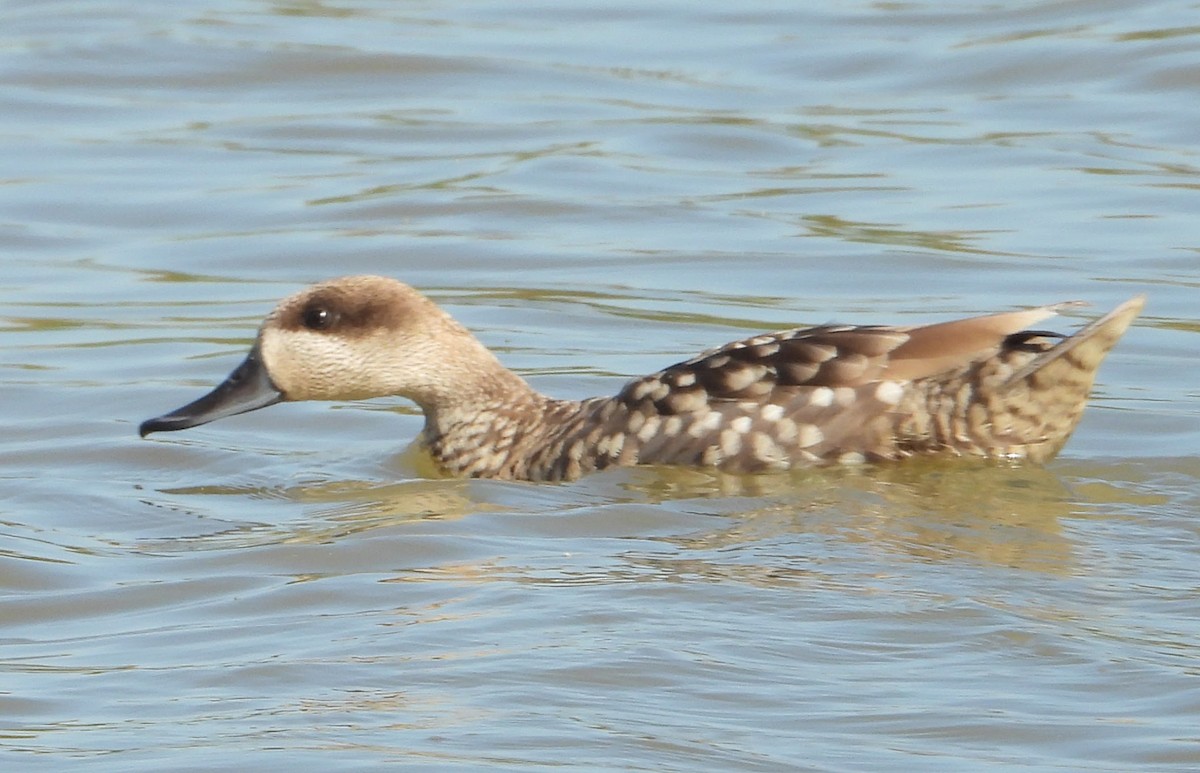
1089,345
1054,385
933,349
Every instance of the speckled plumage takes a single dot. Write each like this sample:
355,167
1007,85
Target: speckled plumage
984,386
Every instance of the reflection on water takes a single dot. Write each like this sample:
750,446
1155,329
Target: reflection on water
928,510
337,509
1005,516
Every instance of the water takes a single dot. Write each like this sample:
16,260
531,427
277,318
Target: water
598,190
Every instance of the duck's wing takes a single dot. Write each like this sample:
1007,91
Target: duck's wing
806,394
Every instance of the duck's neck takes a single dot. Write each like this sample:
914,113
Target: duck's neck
492,429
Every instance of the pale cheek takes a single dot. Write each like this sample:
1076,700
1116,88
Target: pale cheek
307,366
330,370
311,366
274,357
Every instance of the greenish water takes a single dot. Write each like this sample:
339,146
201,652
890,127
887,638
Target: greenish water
597,190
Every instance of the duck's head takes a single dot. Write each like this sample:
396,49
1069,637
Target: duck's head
346,339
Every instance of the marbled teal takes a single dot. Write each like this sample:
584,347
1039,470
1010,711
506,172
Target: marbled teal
984,386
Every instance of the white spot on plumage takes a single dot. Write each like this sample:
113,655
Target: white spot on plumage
741,424
687,401
697,428
772,412
809,435
766,451
649,429
604,445
758,389
643,389
823,352
731,442
737,379
821,397
889,392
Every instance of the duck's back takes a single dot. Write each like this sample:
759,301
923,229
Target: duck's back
981,386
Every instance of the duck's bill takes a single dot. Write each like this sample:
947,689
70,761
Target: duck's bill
248,388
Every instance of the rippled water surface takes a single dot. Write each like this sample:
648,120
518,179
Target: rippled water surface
597,190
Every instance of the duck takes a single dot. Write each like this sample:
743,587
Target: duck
986,386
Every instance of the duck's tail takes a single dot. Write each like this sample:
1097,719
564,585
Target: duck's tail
1053,387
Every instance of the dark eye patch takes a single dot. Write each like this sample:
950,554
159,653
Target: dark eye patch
317,317
335,312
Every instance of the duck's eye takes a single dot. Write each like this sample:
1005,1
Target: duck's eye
317,318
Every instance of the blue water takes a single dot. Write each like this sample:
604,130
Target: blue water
597,190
